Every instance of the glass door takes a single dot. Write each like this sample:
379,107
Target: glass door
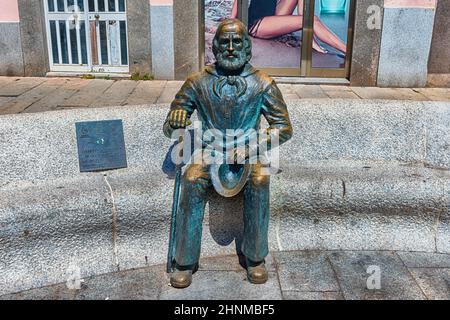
87,35
277,52
329,33
309,38
276,31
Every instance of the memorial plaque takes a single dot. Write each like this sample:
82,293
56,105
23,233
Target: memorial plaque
101,145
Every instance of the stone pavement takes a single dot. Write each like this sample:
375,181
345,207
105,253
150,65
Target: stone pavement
298,275
18,95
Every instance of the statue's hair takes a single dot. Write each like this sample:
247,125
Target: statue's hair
243,31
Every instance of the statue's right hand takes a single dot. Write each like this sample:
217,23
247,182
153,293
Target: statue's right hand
178,119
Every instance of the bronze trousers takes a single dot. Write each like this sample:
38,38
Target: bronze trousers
195,184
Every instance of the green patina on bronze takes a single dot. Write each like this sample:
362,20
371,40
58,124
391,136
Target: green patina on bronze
231,94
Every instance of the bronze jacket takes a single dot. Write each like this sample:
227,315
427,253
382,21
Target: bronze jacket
227,102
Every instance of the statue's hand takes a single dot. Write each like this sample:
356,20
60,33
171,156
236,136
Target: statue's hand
241,155
178,119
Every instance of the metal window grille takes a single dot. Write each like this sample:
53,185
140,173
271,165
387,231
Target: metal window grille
87,35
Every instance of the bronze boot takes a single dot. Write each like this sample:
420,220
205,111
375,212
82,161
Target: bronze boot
181,278
257,272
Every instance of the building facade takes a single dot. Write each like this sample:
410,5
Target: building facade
387,43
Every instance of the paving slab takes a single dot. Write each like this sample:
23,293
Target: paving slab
352,272
68,88
146,92
435,283
339,92
88,94
117,94
140,284
374,93
425,259
305,271
230,263
342,95
222,278
287,91
328,87
309,91
286,88
5,100
19,104
174,84
435,94
409,94
4,81
224,285
168,94
389,93
301,295
157,83
19,86
290,96
75,93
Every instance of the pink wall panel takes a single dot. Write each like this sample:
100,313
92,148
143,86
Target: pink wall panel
161,2
410,3
9,11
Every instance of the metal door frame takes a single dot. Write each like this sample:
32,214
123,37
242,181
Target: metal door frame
86,17
305,69
306,64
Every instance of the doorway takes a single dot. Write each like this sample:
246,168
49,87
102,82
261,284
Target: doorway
300,38
87,35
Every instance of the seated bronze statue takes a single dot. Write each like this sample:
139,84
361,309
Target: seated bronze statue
229,95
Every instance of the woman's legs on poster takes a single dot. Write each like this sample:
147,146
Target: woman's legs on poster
284,22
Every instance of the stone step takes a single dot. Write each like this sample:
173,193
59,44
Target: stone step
358,175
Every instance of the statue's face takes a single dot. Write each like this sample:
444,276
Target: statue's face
231,54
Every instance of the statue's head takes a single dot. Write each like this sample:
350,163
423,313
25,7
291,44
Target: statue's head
231,45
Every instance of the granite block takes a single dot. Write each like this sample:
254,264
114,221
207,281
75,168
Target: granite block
11,59
405,47
162,40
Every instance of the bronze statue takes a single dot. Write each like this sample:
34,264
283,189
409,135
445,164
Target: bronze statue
229,95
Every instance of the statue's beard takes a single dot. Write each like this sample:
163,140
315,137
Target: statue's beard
237,62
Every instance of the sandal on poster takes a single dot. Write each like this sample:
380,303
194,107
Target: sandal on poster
319,48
